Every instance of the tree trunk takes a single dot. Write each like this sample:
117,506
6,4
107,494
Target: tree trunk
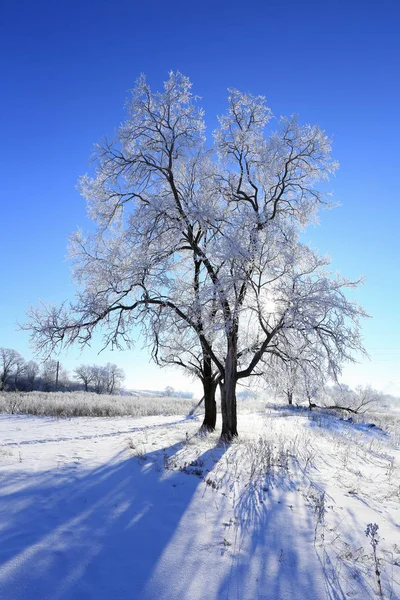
228,393
290,397
209,389
210,405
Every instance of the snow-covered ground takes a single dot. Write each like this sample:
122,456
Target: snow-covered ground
145,509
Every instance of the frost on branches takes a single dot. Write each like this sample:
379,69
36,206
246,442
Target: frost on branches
198,242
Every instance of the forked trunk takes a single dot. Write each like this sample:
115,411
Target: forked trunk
228,394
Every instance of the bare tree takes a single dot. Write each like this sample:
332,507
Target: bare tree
113,377
312,383
169,391
98,379
210,236
84,374
358,401
286,378
10,360
19,371
303,367
31,374
53,375
106,379
48,375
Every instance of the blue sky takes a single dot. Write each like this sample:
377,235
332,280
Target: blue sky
66,68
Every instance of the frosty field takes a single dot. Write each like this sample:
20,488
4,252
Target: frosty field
145,508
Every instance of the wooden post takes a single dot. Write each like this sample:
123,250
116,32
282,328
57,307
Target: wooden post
57,371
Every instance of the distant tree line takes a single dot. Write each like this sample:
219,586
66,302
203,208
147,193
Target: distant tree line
302,381
17,374
102,380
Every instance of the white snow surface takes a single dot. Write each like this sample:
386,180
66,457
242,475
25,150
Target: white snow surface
146,509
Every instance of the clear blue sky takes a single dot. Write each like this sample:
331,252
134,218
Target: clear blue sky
66,68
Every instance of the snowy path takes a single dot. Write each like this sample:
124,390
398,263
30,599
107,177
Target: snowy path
62,425
143,509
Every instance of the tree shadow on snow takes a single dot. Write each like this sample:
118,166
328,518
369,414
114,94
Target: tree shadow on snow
92,534
276,529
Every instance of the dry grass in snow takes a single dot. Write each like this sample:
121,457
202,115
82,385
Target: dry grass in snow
87,404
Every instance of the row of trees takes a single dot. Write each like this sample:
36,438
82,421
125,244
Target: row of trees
301,380
18,374
199,245
105,379
298,383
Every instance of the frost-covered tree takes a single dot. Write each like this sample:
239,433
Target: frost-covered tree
84,374
53,375
311,383
19,372
285,378
10,364
358,401
300,371
207,234
169,391
113,377
31,373
106,379
97,379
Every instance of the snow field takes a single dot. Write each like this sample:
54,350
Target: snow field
148,509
